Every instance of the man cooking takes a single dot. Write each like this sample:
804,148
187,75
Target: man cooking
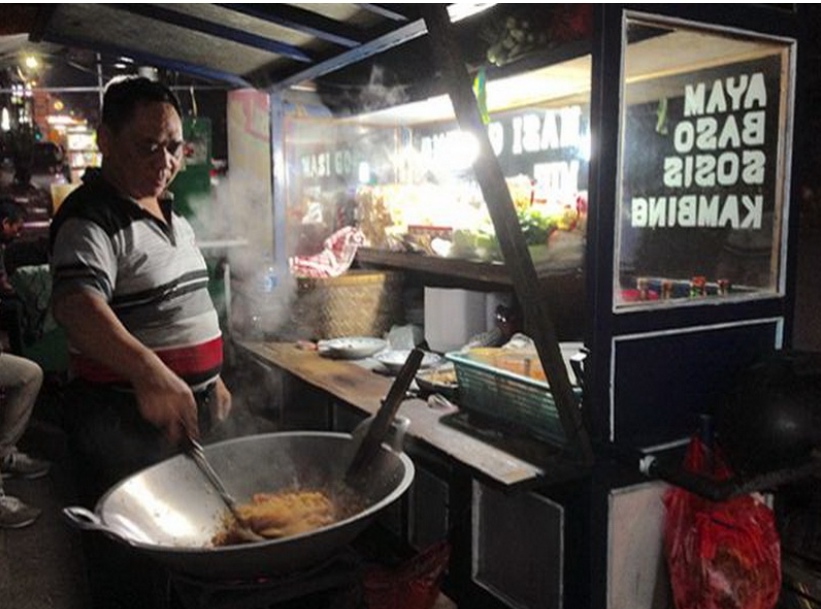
130,290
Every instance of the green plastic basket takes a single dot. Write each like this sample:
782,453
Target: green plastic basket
521,404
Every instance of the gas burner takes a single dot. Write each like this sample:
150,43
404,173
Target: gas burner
333,584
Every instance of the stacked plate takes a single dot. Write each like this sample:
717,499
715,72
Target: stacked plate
351,347
393,360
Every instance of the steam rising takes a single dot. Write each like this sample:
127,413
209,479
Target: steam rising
378,95
234,225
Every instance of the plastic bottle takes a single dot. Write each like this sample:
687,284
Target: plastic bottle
264,311
268,279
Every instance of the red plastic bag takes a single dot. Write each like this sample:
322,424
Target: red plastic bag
414,584
721,555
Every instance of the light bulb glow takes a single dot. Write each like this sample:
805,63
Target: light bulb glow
364,172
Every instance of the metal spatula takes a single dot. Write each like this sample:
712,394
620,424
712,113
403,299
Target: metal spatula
194,450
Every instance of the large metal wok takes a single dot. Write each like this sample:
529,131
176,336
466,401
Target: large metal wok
170,512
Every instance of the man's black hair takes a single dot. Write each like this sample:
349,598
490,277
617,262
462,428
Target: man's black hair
122,95
11,210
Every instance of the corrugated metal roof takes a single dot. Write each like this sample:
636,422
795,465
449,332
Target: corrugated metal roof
259,45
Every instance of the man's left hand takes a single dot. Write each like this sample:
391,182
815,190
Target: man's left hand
221,404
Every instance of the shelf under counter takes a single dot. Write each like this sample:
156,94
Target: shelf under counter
470,271
364,390
452,271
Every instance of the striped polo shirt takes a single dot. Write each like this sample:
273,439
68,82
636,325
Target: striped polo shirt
152,275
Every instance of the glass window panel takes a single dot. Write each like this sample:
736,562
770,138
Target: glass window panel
703,185
404,175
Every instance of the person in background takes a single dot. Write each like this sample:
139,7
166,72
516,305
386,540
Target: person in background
20,382
12,218
130,289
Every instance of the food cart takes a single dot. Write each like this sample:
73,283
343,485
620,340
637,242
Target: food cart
658,146
649,154
676,128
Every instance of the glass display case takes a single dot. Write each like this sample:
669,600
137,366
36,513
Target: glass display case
404,175
704,146
703,173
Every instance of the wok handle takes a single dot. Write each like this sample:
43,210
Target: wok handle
382,419
396,434
86,520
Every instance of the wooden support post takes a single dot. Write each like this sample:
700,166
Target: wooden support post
448,56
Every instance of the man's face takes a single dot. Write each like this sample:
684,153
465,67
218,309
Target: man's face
145,155
10,230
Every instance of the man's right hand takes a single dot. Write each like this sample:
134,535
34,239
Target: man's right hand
166,401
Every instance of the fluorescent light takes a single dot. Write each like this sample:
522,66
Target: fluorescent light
462,10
